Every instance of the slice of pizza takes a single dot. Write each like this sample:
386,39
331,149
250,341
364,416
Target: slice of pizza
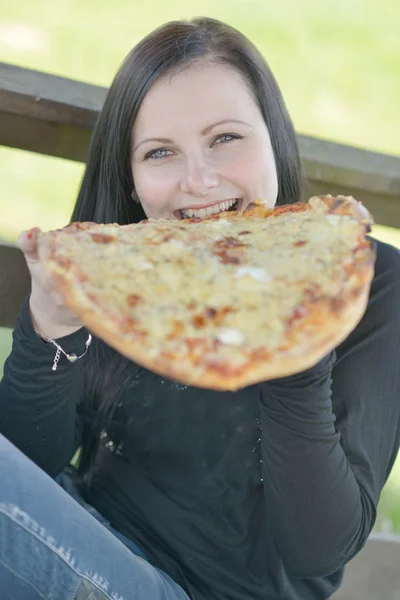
225,301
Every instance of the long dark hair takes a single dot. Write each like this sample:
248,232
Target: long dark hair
105,193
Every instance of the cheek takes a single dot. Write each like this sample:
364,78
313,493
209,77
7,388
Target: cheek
153,185
255,170
264,173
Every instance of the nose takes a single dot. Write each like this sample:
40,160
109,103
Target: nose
199,177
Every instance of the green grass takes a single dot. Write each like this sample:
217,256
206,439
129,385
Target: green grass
5,346
337,62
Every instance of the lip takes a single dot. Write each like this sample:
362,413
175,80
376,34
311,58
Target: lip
200,206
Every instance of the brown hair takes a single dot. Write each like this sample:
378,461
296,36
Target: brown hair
105,193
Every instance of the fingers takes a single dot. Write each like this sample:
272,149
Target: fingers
27,243
47,306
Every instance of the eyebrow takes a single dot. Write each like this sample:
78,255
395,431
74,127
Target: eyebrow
204,132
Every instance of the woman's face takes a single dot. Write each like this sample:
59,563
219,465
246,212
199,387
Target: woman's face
200,144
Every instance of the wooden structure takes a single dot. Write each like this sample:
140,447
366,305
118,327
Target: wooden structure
374,574
55,116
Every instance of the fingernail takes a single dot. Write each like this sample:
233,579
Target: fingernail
31,232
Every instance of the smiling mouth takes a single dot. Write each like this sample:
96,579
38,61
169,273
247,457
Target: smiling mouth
206,211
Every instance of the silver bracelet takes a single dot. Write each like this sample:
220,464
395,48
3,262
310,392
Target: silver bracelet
71,357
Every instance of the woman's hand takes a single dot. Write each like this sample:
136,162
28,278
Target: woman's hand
48,311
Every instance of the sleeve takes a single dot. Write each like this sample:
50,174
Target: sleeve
330,436
38,406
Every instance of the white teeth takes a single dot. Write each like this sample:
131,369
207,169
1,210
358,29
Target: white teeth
210,210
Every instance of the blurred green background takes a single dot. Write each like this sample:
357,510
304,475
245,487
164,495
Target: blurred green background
337,62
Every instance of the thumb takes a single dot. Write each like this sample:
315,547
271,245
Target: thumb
27,243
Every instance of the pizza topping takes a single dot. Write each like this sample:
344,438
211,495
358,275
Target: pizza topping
64,262
261,354
198,321
177,243
230,258
289,208
220,222
232,337
227,258
145,265
254,272
77,226
227,247
218,315
196,348
82,276
229,242
298,313
178,328
334,219
102,238
211,313
133,299
129,325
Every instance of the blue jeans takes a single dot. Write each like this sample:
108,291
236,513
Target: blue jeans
54,546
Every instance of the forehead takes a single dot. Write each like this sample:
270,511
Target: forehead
197,95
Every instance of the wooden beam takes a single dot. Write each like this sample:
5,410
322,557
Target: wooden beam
49,97
44,137
47,114
351,167
14,283
368,176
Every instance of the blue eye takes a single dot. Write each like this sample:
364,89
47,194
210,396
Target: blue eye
160,153
227,137
156,154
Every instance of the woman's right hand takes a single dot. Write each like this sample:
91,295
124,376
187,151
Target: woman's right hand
49,314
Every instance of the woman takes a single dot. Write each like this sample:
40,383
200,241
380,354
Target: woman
263,494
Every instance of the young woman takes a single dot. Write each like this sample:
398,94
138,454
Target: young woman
262,494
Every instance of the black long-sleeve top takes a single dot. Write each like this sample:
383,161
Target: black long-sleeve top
261,494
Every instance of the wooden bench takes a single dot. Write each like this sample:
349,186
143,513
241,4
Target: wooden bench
374,574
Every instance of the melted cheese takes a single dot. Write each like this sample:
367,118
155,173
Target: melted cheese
185,271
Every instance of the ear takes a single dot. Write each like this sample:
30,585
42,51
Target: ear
135,197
